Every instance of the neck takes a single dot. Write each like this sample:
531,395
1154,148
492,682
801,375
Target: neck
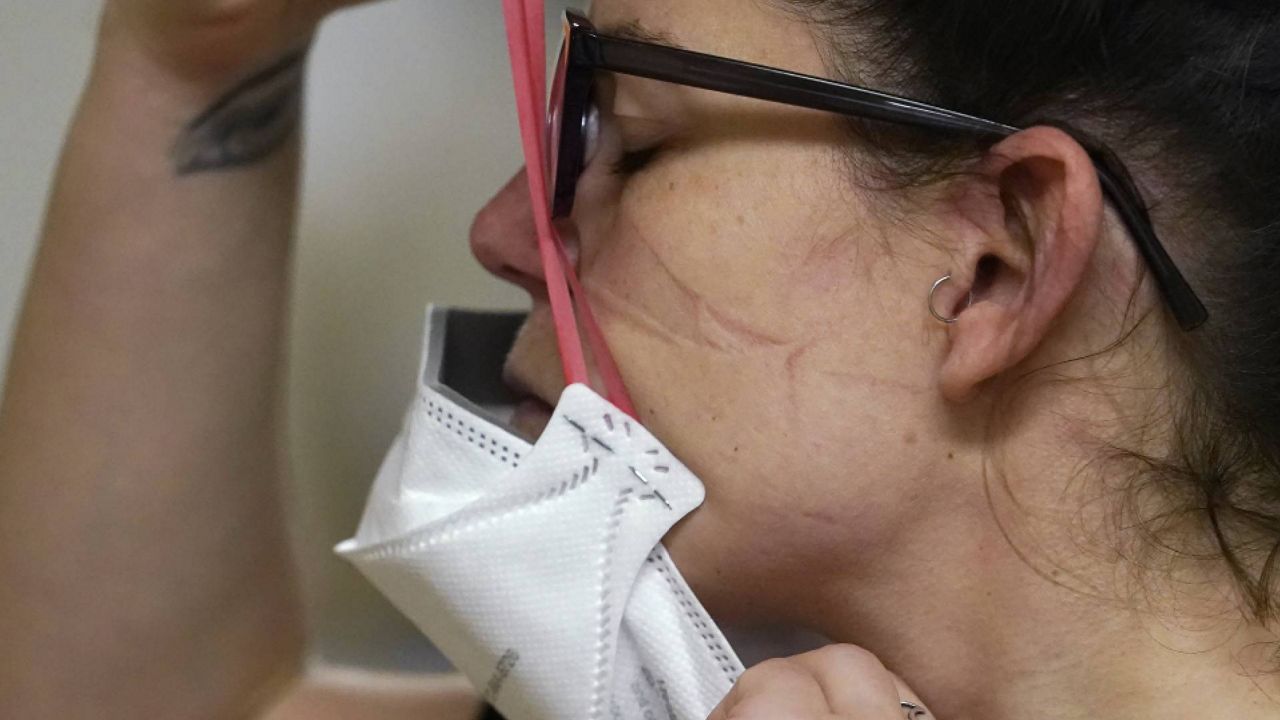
1008,643
986,621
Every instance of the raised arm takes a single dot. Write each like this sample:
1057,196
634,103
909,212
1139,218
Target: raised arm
144,568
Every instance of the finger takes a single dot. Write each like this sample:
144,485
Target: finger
774,689
854,682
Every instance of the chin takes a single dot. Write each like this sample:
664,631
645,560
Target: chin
533,372
715,573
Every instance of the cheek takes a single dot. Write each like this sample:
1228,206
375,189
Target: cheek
694,285
771,340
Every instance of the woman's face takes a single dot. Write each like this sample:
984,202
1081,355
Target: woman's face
768,316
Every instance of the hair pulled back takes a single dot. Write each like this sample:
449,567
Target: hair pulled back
1187,92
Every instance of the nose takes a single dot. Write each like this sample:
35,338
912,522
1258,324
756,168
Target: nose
504,238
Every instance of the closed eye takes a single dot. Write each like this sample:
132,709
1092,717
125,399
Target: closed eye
633,161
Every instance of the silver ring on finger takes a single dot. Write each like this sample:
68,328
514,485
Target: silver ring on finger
914,711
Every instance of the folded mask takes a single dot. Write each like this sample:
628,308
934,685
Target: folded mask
538,570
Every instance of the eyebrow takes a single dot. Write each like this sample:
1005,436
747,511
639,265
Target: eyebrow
633,30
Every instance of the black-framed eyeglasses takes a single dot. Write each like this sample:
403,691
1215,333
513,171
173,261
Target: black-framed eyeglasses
586,51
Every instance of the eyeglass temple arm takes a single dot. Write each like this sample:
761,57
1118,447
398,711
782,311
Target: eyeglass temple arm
735,77
1185,305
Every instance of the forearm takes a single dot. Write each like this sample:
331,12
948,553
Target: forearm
142,543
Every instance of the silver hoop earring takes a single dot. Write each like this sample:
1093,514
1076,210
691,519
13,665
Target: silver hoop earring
933,309
913,711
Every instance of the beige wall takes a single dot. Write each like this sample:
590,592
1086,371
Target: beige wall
410,128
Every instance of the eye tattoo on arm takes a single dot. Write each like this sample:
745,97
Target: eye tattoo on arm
248,123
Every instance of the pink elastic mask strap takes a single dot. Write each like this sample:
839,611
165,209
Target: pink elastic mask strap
526,42
535,31
524,23
615,388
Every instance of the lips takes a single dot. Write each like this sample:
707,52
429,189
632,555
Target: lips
531,418
533,411
533,373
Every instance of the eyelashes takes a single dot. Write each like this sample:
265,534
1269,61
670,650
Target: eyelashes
633,161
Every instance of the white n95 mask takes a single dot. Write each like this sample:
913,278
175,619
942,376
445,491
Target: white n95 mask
538,570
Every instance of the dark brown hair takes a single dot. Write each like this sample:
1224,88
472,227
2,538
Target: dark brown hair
1188,93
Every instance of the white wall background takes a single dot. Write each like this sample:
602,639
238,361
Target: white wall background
411,126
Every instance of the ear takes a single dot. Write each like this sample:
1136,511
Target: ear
1033,216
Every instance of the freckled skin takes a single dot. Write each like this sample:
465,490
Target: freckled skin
770,319
733,278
